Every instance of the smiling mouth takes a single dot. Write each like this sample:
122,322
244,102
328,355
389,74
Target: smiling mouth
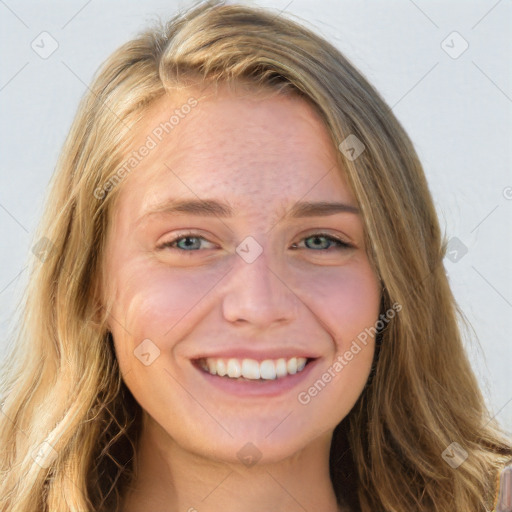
252,370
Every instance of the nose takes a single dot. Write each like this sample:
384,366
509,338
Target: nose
257,294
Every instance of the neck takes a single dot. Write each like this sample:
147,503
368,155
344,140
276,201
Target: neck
170,478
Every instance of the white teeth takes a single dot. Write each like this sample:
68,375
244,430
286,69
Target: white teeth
212,367
269,369
250,369
221,368
291,365
234,368
281,370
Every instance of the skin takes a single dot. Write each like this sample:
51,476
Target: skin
261,154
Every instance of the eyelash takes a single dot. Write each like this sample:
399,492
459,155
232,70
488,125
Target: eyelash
341,244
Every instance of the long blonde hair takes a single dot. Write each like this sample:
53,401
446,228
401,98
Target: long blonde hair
69,425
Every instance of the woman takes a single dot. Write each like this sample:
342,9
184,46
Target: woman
241,302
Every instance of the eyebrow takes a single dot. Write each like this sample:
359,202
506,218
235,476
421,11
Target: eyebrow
211,208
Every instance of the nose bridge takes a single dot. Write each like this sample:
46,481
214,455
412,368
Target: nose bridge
256,294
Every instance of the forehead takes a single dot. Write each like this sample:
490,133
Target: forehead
235,145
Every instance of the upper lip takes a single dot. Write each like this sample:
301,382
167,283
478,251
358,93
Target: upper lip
258,355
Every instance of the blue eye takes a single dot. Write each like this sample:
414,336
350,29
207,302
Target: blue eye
187,245
321,242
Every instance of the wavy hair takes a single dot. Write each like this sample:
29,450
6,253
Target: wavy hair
69,425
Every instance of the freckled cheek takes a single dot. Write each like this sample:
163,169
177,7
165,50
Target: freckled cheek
347,301
158,305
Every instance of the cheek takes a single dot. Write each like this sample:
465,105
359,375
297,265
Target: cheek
346,300
151,301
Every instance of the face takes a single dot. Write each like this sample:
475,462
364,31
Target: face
258,280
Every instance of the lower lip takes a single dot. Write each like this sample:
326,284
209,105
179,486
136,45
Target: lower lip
258,388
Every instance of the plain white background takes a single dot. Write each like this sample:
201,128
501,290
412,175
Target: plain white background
455,103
